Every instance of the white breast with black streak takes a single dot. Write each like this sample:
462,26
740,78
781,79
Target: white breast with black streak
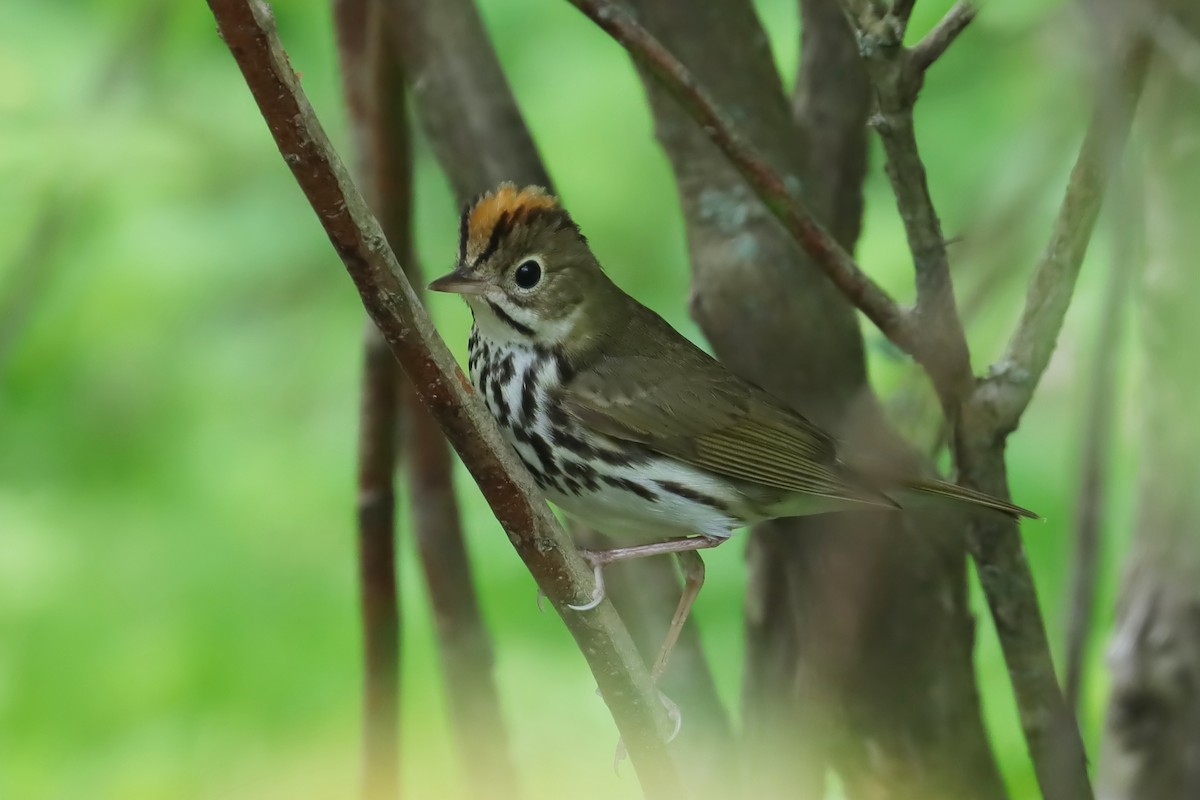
619,488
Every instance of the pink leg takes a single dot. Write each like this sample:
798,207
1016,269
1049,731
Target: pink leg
602,558
693,580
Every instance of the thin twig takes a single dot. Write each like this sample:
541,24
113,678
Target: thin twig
897,80
249,32
858,287
1097,433
935,43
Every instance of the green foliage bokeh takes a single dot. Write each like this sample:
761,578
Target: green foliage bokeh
179,364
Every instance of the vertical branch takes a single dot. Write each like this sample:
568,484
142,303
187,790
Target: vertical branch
897,74
377,568
377,440
375,90
1090,503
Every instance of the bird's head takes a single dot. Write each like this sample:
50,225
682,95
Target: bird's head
524,268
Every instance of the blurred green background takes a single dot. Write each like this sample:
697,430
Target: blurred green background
179,362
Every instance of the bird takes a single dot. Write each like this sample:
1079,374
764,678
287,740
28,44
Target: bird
625,424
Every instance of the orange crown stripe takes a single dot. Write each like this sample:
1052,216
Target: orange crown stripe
507,198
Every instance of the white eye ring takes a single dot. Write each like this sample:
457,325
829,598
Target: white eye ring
529,273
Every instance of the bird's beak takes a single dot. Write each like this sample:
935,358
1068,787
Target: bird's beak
458,282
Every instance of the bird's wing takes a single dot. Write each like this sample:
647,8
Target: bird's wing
695,410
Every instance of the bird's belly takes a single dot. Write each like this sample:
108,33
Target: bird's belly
617,487
655,500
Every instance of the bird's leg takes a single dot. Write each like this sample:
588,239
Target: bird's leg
693,580
602,558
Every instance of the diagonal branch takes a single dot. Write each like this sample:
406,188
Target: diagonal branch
935,43
1009,387
993,412
248,31
868,296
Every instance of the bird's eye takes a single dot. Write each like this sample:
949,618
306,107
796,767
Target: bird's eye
528,274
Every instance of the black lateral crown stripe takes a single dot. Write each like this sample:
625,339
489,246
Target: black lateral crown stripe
509,321
498,232
462,233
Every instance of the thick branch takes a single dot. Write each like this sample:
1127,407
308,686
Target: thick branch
1013,378
248,31
868,296
902,10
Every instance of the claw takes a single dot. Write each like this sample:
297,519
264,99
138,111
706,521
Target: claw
540,597
619,756
673,714
598,594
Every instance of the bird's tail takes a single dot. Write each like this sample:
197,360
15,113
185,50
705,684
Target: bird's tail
972,497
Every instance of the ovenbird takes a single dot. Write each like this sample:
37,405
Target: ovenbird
624,423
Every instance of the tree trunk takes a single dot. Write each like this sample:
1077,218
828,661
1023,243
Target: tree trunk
859,638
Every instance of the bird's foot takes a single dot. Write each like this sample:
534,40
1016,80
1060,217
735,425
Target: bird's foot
598,593
673,714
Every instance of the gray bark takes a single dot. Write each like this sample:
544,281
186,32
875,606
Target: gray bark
858,633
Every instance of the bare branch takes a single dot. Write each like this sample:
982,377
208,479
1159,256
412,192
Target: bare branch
897,81
1013,378
931,47
868,296
248,31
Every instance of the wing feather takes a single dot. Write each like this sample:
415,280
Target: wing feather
697,411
